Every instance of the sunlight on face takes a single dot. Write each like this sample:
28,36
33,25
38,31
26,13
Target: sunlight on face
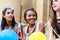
56,5
31,17
9,15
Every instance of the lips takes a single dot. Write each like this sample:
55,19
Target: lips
54,6
10,17
32,20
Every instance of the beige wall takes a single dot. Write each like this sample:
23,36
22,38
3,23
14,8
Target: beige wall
25,4
39,9
41,6
43,10
13,3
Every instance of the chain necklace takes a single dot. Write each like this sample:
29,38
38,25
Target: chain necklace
52,29
30,31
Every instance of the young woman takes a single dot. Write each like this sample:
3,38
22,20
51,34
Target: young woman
30,17
55,22
8,20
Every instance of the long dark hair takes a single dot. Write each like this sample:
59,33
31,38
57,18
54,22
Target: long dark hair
54,21
3,22
30,9
54,17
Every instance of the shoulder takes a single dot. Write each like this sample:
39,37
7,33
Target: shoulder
39,24
17,26
41,27
25,27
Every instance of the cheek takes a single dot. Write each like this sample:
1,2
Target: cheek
58,4
6,17
35,17
27,18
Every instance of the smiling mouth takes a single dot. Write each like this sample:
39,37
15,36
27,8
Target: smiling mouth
54,6
32,20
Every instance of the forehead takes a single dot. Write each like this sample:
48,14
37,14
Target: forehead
30,12
8,10
56,0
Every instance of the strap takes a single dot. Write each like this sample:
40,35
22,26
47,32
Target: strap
37,26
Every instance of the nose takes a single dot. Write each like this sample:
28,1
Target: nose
10,13
53,2
31,16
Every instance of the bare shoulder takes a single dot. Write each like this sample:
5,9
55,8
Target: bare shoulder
41,27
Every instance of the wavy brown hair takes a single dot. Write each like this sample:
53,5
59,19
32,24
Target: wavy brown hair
54,20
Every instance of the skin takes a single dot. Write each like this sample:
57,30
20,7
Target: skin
31,19
56,7
8,16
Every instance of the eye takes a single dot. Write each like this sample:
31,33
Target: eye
55,0
8,12
11,12
34,15
29,15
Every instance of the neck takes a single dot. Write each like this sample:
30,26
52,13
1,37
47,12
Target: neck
58,15
8,23
31,25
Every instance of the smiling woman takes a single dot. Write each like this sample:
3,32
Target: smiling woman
55,19
8,20
30,16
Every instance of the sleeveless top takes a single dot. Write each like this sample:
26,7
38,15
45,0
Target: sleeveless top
36,26
58,28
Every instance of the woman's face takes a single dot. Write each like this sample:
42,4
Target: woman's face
56,5
31,17
9,15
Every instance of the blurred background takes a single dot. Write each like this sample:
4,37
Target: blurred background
41,6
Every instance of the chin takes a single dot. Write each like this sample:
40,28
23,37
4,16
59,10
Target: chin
10,20
56,9
32,23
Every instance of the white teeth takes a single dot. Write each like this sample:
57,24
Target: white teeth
32,20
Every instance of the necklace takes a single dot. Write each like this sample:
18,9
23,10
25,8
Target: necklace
52,28
55,33
30,31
